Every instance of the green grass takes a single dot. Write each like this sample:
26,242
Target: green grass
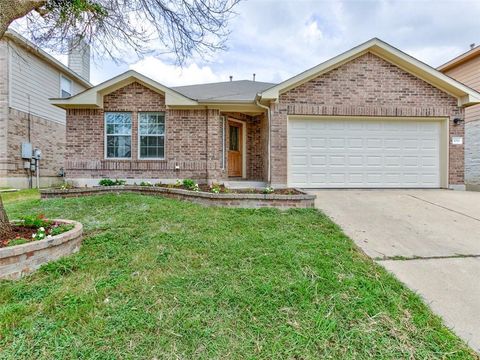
28,194
158,278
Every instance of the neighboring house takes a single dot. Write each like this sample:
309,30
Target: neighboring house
466,69
28,78
372,117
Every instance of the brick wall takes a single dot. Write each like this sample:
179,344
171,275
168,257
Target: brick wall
365,86
186,143
47,135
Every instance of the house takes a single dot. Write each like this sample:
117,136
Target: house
466,69
28,78
372,117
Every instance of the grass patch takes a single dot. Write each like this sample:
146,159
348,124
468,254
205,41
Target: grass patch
21,195
158,278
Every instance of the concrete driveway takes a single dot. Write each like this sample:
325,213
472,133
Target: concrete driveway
430,239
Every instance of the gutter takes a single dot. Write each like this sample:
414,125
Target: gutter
269,156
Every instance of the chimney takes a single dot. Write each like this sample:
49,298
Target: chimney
253,76
472,46
79,58
231,78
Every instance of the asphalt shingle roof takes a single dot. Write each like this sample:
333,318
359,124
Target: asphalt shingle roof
240,90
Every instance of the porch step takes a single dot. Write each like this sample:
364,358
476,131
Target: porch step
241,184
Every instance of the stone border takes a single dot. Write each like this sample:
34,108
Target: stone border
237,200
17,261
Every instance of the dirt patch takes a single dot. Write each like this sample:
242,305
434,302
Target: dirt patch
18,232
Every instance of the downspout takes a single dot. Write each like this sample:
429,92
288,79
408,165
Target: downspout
269,157
206,145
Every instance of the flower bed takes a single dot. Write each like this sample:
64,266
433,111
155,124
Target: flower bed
297,199
49,244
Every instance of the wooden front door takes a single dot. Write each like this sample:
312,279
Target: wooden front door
235,150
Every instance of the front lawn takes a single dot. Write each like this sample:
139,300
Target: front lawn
158,278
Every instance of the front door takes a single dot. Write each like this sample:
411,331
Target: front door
235,149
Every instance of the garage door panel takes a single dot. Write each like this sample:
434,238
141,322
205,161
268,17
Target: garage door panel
363,153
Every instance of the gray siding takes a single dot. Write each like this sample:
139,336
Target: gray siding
32,82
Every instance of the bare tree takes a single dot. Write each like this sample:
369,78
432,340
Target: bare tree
180,27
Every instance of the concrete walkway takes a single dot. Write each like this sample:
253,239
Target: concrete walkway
430,239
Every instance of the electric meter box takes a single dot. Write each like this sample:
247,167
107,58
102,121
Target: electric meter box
27,150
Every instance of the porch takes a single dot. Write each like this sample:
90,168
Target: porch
245,149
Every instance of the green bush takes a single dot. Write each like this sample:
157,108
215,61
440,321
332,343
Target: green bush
146,183
110,182
35,221
189,184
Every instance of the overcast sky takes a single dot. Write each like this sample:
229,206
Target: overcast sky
277,39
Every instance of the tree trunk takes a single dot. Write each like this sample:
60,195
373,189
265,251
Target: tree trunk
11,10
5,227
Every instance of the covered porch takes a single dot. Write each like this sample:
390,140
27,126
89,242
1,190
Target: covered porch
245,149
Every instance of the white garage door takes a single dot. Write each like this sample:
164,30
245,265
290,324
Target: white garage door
363,153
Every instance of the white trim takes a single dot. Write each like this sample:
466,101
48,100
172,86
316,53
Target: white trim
93,97
105,135
139,157
244,145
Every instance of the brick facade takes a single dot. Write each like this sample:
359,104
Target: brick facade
47,135
193,141
365,86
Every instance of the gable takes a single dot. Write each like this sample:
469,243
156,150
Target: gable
366,80
465,96
133,96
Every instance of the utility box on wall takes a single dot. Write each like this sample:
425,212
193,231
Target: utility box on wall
27,150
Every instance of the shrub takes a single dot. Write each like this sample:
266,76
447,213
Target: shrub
146,183
189,184
110,182
35,221
268,190
215,188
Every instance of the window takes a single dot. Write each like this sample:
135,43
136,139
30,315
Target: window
234,144
118,133
151,135
65,87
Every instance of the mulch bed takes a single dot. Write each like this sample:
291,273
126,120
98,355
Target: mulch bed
224,190
18,232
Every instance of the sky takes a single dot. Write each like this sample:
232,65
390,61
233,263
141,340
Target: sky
277,39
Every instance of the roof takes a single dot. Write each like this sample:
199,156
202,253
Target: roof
20,40
466,96
93,97
229,91
470,54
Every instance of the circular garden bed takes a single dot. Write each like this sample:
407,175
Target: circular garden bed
36,241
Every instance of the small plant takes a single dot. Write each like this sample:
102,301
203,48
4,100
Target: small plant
58,229
189,184
110,182
215,188
66,186
41,234
178,183
106,182
159,184
36,221
146,183
268,190
18,241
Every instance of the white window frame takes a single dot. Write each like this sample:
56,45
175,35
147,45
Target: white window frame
164,135
62,78
106,157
